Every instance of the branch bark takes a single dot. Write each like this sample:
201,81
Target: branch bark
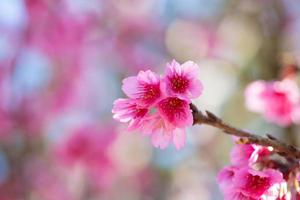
246,137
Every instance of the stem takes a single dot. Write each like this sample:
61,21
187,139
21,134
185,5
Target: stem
246,137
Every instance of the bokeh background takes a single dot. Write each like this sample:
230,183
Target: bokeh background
61,66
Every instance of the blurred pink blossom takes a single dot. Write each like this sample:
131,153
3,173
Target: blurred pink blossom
88,147
278,101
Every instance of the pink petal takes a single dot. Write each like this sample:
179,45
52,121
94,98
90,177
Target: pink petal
173,67
126,110
195,89
225,177
253,95
145,87
161,139
148,77
179,138
130,86
191,69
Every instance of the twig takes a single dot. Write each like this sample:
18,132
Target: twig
210,119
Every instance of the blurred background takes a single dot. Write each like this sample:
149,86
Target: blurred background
61,66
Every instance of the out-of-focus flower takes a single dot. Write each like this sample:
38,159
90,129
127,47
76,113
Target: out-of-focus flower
247,183
88,147
182,80
167,102
45,181
248,154
278,101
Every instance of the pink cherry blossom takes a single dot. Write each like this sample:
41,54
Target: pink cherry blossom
160,109
145,87
246,183
256,183
181,80
127,110
278,101
176,111
244,154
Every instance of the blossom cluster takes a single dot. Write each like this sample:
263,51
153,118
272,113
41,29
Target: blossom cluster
278,101
253,175
159,105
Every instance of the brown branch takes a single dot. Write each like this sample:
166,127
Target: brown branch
246,137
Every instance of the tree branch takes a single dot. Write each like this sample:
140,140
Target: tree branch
246,137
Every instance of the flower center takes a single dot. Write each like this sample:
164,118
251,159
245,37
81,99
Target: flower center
179,84
140,112
171,104
151,93
172,108
257,183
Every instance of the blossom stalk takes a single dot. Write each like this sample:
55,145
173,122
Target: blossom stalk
246,137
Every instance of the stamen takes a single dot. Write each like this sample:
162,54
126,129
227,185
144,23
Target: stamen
179,84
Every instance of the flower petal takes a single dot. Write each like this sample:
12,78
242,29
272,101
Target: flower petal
179,138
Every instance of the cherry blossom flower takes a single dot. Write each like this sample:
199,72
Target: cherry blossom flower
145,87
176,111
278,101
182,81
87,147
256,183
160,108
247,183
